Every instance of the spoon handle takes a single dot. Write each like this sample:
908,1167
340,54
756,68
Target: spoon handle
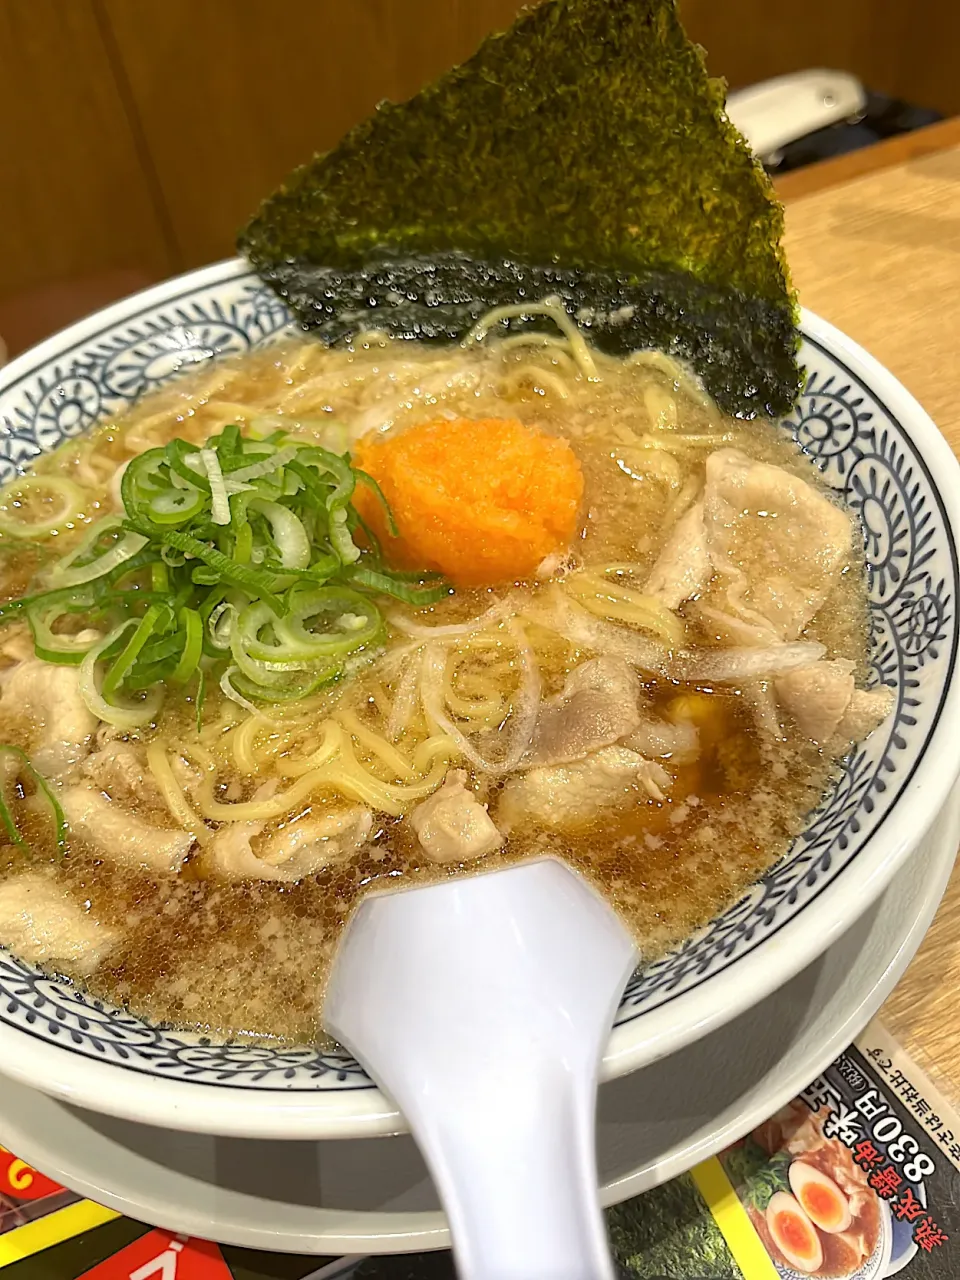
516,1172
482,1007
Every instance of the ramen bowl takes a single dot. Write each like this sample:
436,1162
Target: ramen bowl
873,444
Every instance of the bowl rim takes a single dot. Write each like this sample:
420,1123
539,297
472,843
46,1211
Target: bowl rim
362,1110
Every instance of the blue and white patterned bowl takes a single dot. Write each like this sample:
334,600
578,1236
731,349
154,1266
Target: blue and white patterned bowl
872,442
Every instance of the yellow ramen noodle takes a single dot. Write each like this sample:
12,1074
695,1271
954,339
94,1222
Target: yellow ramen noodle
659,702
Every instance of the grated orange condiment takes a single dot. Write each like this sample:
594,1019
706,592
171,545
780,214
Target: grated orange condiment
481,500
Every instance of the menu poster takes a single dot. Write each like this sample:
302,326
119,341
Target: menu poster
859,1177
856,1179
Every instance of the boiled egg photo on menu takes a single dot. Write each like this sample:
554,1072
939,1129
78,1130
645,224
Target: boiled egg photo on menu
821,1199
793,1233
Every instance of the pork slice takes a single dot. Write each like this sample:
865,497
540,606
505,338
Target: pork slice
866,711
731,631
683,567
50,695
119,769
569,796
304,847
858,1242
825,703
598,705
777,543
121,836
817,696
296,850
843,1252
41,923
452,825
230,855
16,646
795,1128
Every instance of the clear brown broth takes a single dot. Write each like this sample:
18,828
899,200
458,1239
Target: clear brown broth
249,959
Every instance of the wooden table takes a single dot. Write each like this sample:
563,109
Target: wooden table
873,241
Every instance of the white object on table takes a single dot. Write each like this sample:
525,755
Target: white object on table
482,1006
777,112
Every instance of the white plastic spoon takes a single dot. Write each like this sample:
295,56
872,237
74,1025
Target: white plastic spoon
482,1007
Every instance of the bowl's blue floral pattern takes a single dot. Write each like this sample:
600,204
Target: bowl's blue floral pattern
105,375
863,452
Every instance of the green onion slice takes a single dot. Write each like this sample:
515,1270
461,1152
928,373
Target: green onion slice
122,716
33,506
15,763
105,548
192,626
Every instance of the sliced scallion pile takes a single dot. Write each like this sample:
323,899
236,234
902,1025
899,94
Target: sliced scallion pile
237,559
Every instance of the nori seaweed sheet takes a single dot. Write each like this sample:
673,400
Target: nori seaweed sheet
583,153
668,1231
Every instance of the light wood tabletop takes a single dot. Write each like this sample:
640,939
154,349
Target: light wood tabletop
873,242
